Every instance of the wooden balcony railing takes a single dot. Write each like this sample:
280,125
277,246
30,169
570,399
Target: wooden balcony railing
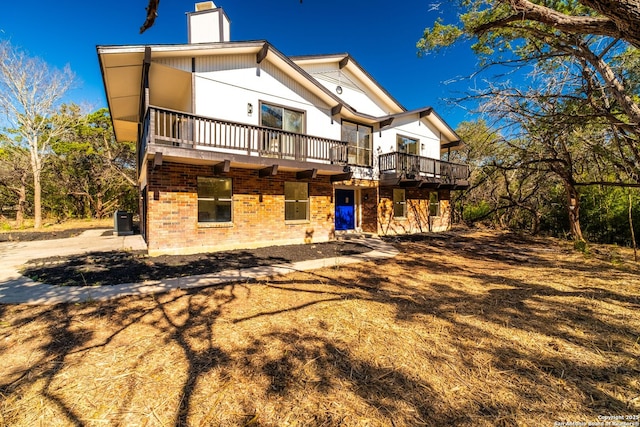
174,128
413,166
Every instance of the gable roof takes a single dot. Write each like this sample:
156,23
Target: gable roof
123,70
345,61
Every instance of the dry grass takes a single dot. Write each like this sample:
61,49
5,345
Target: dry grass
50,230
467,329
53,225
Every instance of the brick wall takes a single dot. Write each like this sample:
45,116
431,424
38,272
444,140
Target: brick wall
417,219
257,211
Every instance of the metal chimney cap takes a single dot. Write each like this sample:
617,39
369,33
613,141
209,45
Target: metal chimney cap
205,5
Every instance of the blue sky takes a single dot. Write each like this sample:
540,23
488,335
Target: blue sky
380,35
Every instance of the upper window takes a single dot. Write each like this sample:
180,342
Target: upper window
407,145
280,144
359,139
399,203
277,117
214,199
296,201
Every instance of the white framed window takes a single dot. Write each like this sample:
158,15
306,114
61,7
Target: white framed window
407,145
296,201
214,199
399,203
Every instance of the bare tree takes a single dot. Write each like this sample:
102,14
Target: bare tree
30,94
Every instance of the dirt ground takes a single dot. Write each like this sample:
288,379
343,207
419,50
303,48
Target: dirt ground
469,328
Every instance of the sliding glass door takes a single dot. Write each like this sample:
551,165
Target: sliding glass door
359,138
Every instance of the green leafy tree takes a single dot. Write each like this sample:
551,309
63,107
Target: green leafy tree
572,116
587,48
501,192
97,172
14,178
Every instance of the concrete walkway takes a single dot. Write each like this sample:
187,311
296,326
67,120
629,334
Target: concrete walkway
17,289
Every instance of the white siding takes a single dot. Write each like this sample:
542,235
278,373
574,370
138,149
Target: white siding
429,139
353,91
225,85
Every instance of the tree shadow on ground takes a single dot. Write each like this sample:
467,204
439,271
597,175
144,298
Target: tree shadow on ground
439,336
112,268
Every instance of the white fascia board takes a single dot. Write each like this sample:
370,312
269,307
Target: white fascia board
161,51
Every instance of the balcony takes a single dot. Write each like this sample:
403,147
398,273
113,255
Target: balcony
194,139
412,170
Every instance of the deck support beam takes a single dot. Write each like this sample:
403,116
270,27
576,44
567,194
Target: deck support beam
157,160
341,177
268,171
308,174
222,167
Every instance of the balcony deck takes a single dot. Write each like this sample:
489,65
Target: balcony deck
195,139
187,138
410,170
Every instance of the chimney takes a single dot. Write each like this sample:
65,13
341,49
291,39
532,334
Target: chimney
208,24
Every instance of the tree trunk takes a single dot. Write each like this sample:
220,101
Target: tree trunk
625,14
37,200
535,223
22,200
99,206
613,83
620,18
573,209
36,169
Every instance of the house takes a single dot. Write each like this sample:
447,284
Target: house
242,146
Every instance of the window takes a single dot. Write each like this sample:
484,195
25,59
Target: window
296,201
434,204
214,199
282,118
399,203
358,138
407,145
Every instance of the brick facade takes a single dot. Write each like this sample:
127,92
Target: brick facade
417,219
258,210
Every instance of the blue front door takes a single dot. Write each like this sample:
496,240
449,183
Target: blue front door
345,210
